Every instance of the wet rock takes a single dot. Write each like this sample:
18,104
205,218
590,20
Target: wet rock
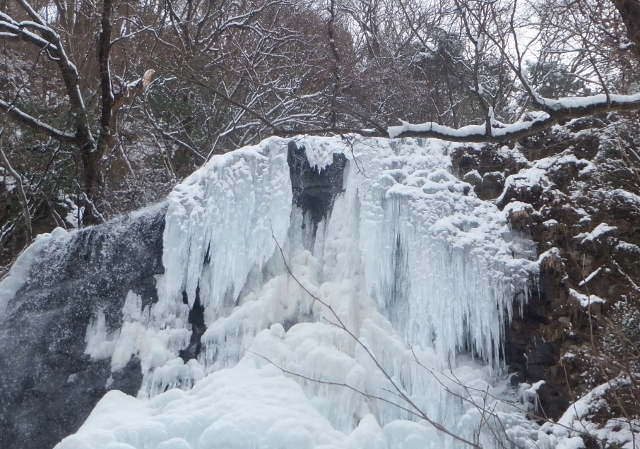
49,385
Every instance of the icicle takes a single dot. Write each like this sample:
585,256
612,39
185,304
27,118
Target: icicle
414,265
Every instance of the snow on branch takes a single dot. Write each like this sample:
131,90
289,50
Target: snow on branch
13,30
48,40
553,111
36,124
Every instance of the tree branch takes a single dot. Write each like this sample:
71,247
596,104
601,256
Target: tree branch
32,13
554,111
106,91
16,31
21,195
36,124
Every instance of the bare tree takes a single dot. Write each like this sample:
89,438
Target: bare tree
630,13
26,24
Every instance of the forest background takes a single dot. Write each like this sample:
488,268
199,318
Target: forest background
105,105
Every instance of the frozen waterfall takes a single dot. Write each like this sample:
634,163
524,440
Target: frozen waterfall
237,353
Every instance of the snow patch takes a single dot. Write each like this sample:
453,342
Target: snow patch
602,230
585,300
589,277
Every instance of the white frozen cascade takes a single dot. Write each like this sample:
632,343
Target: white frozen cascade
420,271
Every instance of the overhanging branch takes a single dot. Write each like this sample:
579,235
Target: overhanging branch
36,124
555,111
11,30
48,39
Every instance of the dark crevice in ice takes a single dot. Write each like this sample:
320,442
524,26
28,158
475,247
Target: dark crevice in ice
314,190
399,294
198,328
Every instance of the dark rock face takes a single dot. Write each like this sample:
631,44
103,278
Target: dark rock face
314,190
48,385
573,348
533,347
485,170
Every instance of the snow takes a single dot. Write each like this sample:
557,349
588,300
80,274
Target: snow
600,231
526,178
497,128
243,407
571,443
575,421
626,196
585,300
535,176
628,247
589,277
501,129
517,207
513,153
419,270
584,102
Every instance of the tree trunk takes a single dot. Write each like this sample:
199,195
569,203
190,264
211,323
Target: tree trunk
92,152
93,182
630,12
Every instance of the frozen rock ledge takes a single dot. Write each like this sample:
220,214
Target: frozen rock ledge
416,266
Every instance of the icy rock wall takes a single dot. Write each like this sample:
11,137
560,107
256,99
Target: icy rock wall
414,265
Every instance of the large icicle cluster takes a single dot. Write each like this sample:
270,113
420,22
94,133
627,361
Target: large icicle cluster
418,269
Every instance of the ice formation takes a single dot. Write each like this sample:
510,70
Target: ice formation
421,272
